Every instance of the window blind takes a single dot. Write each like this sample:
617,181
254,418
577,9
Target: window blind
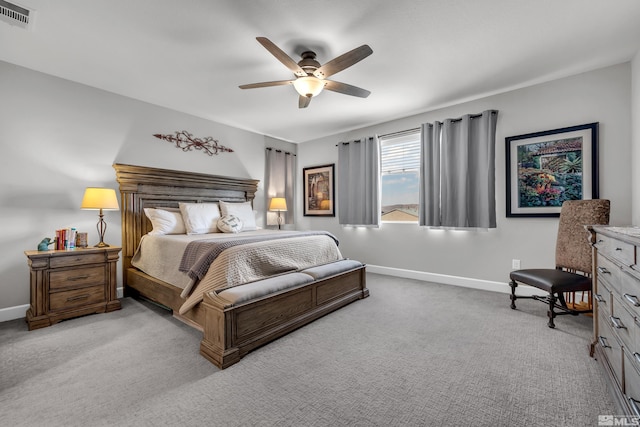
400,153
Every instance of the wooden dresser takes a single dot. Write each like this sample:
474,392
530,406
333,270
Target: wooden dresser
616,319
71,283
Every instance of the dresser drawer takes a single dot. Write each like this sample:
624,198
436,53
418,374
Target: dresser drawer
609,273
603,298
623,324
632,381
617,249
76,297
76,259
630,293
610,347
75,277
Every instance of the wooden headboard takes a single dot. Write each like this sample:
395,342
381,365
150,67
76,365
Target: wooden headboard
144,187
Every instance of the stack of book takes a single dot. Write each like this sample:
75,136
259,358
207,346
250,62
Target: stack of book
66,238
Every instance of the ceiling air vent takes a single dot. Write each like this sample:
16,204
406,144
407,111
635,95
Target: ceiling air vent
16,15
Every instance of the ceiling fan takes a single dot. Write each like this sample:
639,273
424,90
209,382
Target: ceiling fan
311,76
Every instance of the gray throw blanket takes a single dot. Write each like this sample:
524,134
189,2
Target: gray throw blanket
199,255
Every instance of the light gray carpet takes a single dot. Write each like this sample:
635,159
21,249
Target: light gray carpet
412,354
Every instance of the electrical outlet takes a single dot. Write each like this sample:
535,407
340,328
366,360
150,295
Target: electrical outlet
515,264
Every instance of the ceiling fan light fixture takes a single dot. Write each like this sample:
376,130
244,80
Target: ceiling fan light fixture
308,86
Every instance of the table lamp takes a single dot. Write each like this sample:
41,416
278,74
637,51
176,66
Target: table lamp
100,199
278,204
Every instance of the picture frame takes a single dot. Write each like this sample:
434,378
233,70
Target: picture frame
544,169
319,190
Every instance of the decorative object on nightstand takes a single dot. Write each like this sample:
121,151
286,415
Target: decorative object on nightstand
71,283
44,244
278,204
100,199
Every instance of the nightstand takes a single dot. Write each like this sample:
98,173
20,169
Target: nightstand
71,283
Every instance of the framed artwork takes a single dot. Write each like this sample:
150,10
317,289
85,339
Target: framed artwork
319,191
546,168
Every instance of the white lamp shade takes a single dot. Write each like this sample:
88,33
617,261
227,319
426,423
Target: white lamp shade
100,198
309,85
278,204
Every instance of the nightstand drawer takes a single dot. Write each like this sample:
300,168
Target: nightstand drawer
77,259
75,277
76,297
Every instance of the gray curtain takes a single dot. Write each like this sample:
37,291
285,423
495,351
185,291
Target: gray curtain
359,182
279,182
457,184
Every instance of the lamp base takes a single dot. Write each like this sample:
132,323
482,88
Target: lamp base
101,245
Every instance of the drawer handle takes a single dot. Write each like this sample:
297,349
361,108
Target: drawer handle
600,299
637,357
73,279
618,249
634,406
603,270
617,323
603,342
78,297
632,299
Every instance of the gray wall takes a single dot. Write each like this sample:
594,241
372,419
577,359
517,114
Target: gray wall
635,138
599,96
58,137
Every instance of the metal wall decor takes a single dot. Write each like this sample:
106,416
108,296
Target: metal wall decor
185,141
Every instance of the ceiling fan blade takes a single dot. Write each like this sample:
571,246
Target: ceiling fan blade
304,101
281,56
343,61
266,84
346,89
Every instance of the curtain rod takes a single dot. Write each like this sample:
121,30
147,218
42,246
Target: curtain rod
279,151
402,132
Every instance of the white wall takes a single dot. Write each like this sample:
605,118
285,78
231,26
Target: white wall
600,96
58,137
635,137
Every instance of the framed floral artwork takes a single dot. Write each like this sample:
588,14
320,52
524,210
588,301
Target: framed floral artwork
544,169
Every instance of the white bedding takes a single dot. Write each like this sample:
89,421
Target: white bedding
160,257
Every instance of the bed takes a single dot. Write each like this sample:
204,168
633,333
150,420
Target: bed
235,320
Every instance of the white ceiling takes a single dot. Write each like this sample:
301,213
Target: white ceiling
191,55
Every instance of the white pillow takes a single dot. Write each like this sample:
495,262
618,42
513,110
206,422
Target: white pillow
165,222
200,218
243,211
229,224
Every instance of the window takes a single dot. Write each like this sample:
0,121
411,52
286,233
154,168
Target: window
400,173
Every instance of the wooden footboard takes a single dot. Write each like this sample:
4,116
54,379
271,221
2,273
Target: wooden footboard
230,332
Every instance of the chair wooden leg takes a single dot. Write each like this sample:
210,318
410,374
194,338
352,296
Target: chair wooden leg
551,313
513,285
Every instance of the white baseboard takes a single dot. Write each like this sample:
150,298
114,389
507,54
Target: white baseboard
466,282
11,313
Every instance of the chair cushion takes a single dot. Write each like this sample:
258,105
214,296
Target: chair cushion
552,280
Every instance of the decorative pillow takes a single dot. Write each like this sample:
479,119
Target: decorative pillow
165,222
229,224
200,218
243,211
